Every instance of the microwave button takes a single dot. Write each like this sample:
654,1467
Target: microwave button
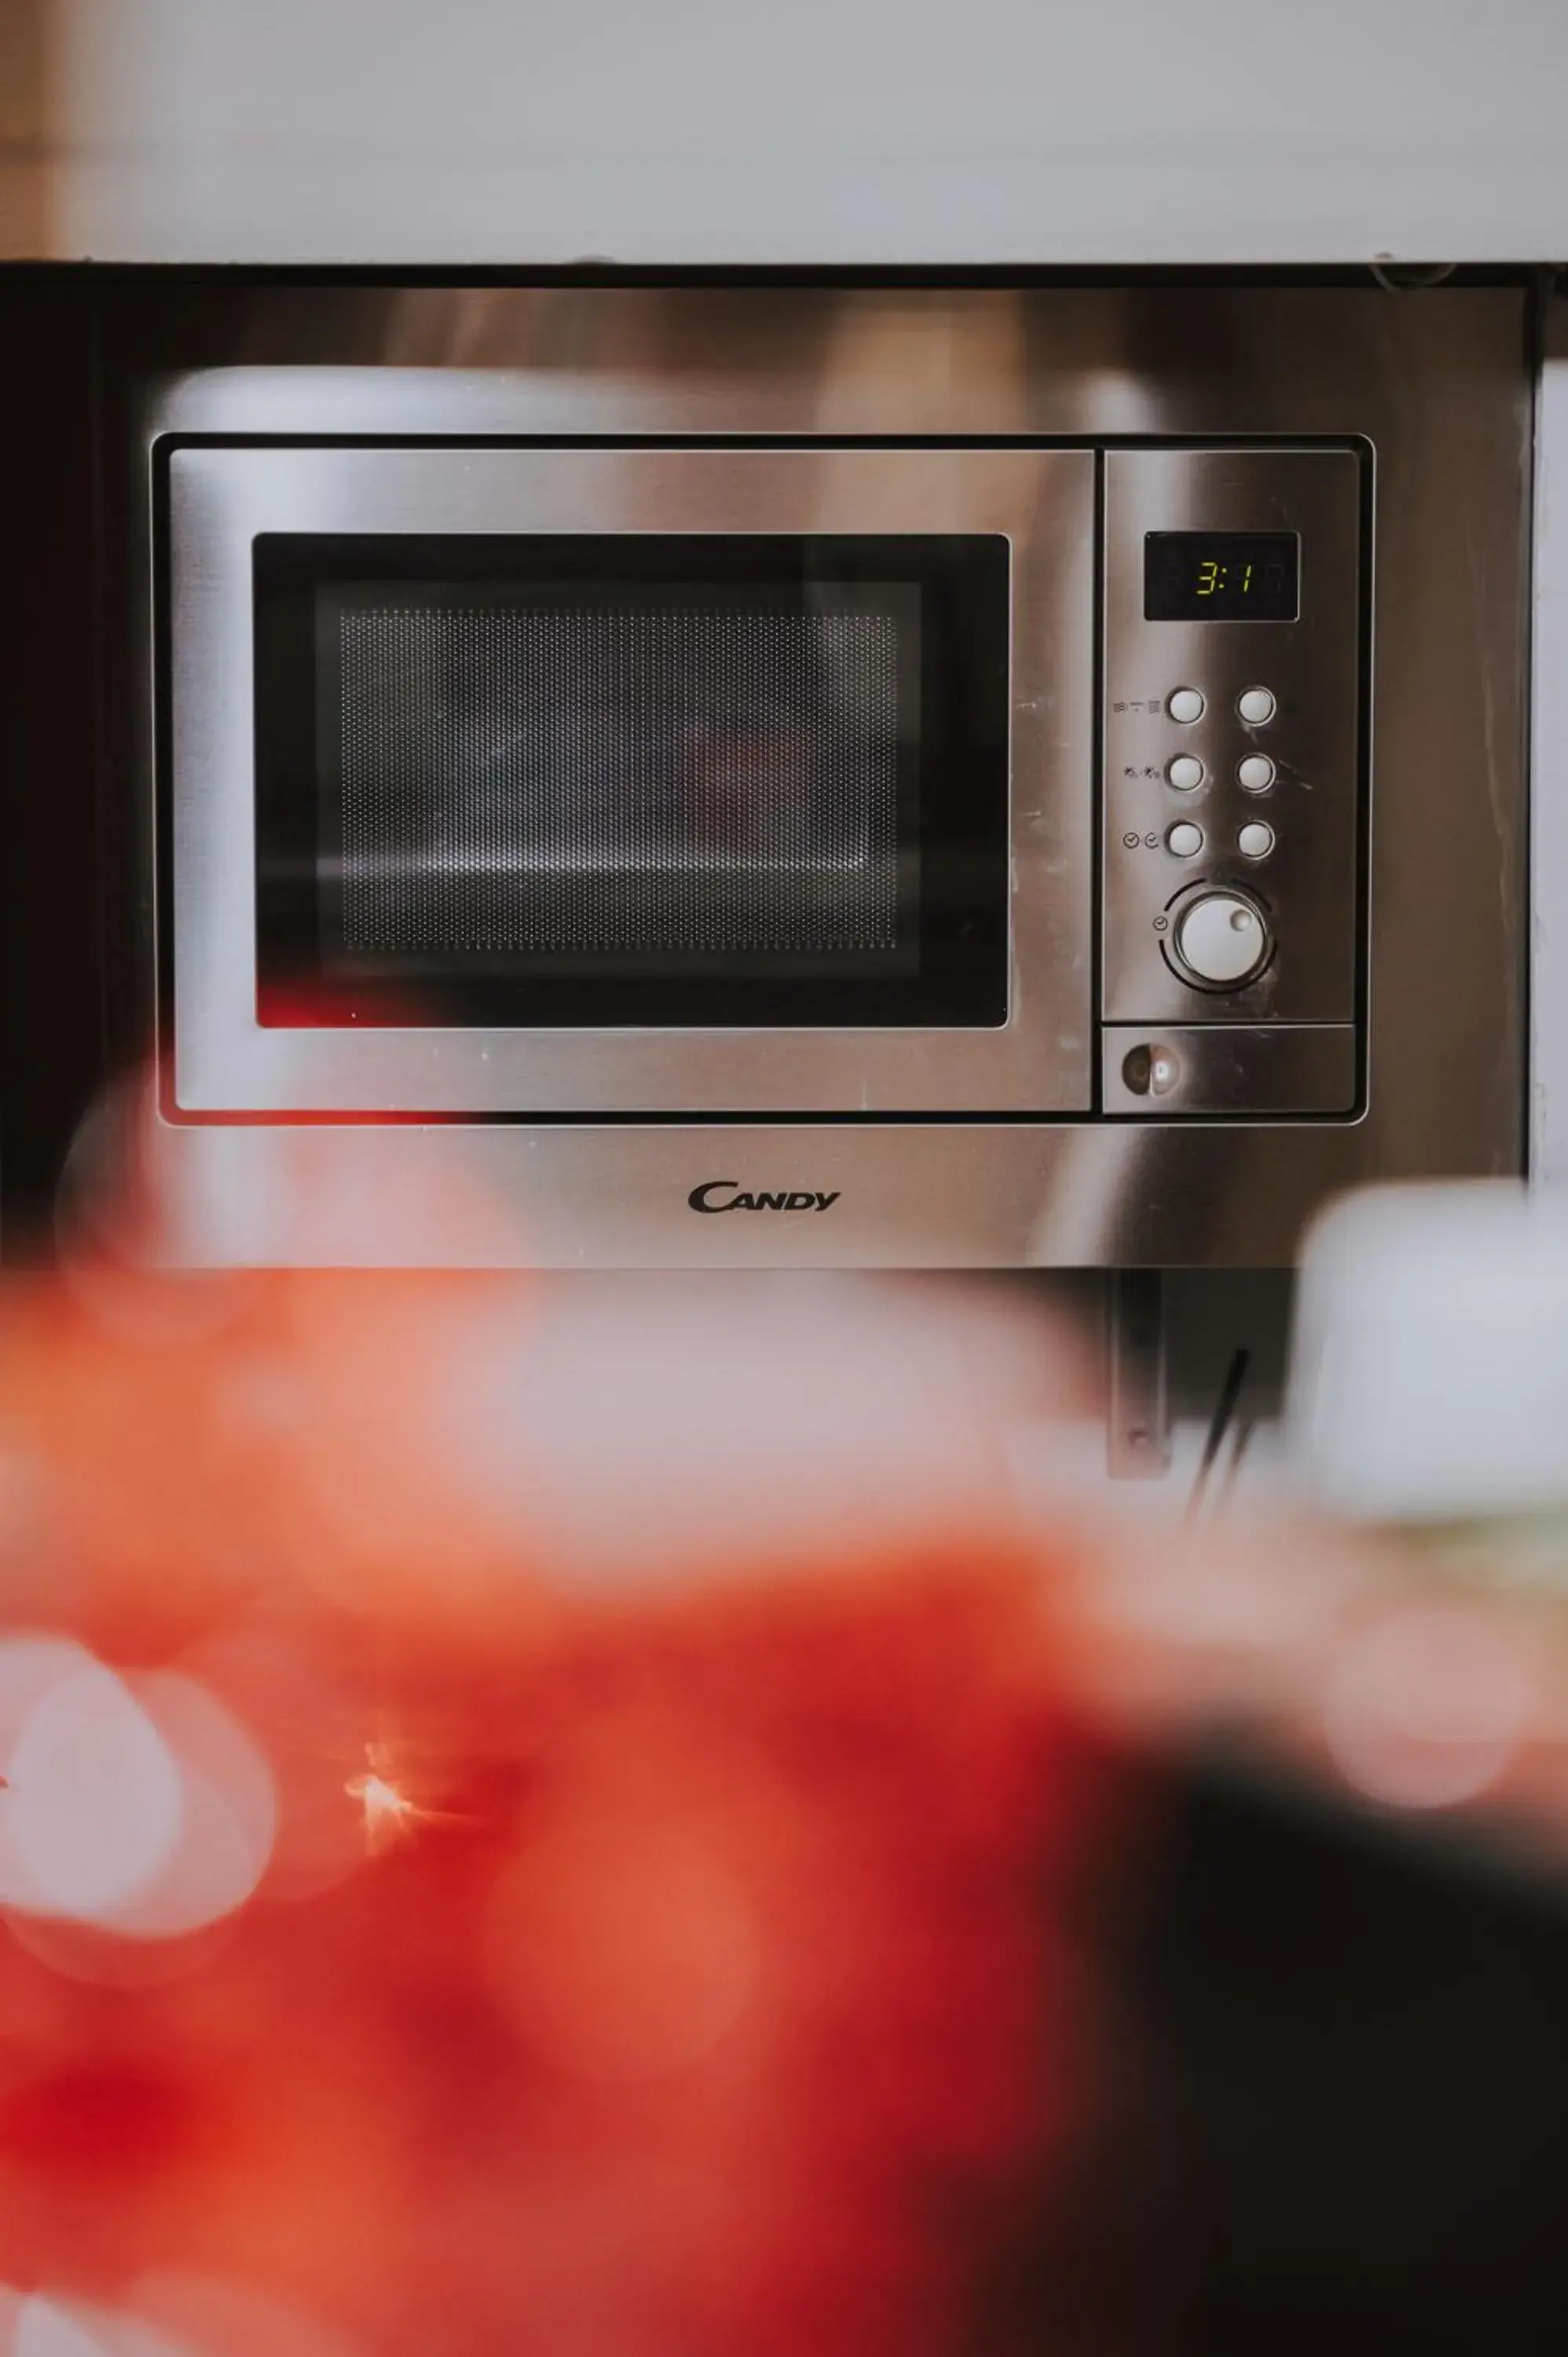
1185,772
1256,773
1256,706
1256,840
1186,704
1221,938
1184,839
1150,1071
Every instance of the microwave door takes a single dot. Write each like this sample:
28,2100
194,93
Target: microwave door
606,821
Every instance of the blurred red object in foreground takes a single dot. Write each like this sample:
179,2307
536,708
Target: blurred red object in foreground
624,1969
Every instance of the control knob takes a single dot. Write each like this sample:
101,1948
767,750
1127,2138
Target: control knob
1222,939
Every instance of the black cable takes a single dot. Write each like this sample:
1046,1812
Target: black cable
1220,1424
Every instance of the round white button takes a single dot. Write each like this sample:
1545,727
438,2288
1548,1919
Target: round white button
1255,840
1256,773
1220,938
1185,772
1185,704
1256,705
1184,840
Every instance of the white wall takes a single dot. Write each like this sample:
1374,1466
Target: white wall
1007,131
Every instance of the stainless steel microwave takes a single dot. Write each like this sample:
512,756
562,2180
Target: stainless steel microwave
949,777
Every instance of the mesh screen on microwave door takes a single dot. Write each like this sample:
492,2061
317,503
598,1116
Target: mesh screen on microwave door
620,779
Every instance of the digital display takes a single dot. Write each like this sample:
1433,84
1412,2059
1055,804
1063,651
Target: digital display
1221,576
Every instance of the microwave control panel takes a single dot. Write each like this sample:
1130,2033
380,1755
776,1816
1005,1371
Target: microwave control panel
1233,781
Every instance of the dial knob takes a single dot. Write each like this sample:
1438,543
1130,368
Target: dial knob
1221,938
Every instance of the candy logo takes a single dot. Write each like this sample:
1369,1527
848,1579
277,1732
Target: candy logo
701,1199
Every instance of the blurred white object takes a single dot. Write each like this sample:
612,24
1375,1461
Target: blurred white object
1429,1376
41,2327
641,1426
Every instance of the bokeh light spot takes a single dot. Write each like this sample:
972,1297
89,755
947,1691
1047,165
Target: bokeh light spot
1424,1709
94,1805
622,1951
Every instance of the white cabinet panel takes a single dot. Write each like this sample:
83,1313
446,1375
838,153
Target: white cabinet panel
876,131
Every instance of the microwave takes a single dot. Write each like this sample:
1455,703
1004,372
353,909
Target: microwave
804,775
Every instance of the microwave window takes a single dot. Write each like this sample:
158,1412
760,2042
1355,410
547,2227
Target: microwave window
648,779
632,781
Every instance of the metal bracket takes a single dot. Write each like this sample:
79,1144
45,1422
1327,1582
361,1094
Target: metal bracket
1138,1436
